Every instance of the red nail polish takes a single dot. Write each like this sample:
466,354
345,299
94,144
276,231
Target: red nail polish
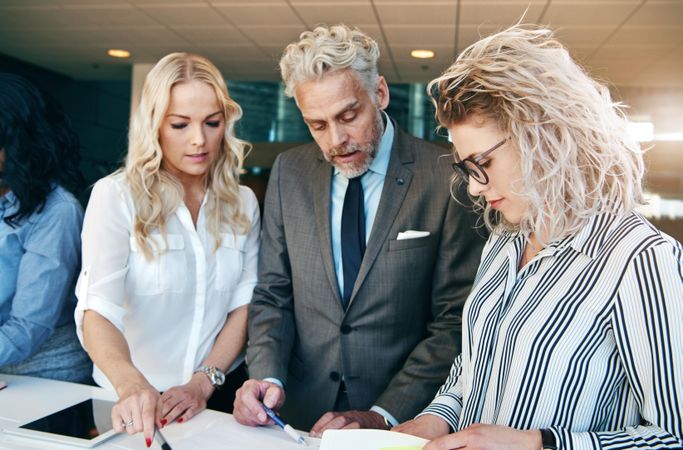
163,422
180,420
148,441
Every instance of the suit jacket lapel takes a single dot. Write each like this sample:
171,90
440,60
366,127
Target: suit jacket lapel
321,184
396,185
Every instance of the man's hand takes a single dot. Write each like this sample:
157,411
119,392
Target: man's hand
248,399
488,437
347,420
427,426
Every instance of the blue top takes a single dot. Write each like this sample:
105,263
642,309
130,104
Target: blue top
39,263
373,182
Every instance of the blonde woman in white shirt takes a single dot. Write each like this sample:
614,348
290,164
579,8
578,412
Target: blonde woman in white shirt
170,246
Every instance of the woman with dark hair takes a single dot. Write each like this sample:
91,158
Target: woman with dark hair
40,224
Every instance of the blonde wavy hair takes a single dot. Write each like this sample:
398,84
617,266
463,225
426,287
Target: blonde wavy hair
577,158
329,49
156,193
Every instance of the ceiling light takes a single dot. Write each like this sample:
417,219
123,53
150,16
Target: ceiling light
641,131
422,54
118,53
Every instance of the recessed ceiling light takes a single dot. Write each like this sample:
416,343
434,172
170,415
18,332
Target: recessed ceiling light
422,54
118,53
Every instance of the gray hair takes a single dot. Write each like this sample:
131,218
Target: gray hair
329,49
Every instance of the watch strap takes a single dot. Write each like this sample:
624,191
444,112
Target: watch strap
216,377
548,439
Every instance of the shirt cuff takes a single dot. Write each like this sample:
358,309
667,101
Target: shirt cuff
274,381
384,413
446,406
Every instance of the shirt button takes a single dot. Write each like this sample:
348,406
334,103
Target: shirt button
334,376
346,329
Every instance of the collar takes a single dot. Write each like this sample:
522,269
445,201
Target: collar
590,239
7,200
381,162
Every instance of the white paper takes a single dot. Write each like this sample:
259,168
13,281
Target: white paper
261,438
411,234
368,440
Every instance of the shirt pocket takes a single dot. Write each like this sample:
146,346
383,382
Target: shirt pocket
229,261
166,271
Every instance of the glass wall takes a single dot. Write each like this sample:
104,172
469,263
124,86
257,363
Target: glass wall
269,116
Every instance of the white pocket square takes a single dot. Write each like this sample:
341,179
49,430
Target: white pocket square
411,234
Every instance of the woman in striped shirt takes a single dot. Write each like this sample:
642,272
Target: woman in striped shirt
573,331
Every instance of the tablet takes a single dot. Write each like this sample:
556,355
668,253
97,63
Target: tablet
74,425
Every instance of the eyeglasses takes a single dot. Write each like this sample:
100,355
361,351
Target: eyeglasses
470,167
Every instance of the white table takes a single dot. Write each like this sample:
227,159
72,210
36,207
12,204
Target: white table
26,399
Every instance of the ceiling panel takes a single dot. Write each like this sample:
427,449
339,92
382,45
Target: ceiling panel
627,41
655,36
419,35
600,13
583,36
211,34
656,13
278,14
238,52
423,13
182,15
475,12
272,35
332,12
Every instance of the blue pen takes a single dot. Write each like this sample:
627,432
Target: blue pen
287,428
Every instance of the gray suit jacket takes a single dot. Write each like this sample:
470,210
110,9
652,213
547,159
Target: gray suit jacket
400,333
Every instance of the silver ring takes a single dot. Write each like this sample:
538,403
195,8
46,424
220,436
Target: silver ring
128,424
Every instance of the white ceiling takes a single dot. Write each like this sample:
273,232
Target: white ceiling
627,42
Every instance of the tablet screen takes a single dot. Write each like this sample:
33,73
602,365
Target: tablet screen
76,421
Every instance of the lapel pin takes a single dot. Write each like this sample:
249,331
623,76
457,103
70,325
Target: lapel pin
399,181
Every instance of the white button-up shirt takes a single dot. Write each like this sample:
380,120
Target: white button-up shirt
169,309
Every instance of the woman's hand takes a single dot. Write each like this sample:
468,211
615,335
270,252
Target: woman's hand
136,410
488,437
181,403
427,426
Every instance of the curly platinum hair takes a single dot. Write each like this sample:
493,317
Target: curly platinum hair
329,49
577,158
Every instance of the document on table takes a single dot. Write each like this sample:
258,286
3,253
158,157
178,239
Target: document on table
369,440
220,437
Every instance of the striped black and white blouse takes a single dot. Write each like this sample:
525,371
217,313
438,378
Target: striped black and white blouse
586,340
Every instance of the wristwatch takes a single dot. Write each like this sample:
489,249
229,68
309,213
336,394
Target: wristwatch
216,377
548,439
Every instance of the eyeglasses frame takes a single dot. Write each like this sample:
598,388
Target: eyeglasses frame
461,168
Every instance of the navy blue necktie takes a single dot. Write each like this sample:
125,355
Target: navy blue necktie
352,236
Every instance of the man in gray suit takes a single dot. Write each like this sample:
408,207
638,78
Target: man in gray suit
365,259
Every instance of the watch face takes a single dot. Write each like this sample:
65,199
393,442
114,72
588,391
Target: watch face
217,378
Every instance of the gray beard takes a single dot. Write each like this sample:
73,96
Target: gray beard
370,149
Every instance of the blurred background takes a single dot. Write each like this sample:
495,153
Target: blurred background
92,55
